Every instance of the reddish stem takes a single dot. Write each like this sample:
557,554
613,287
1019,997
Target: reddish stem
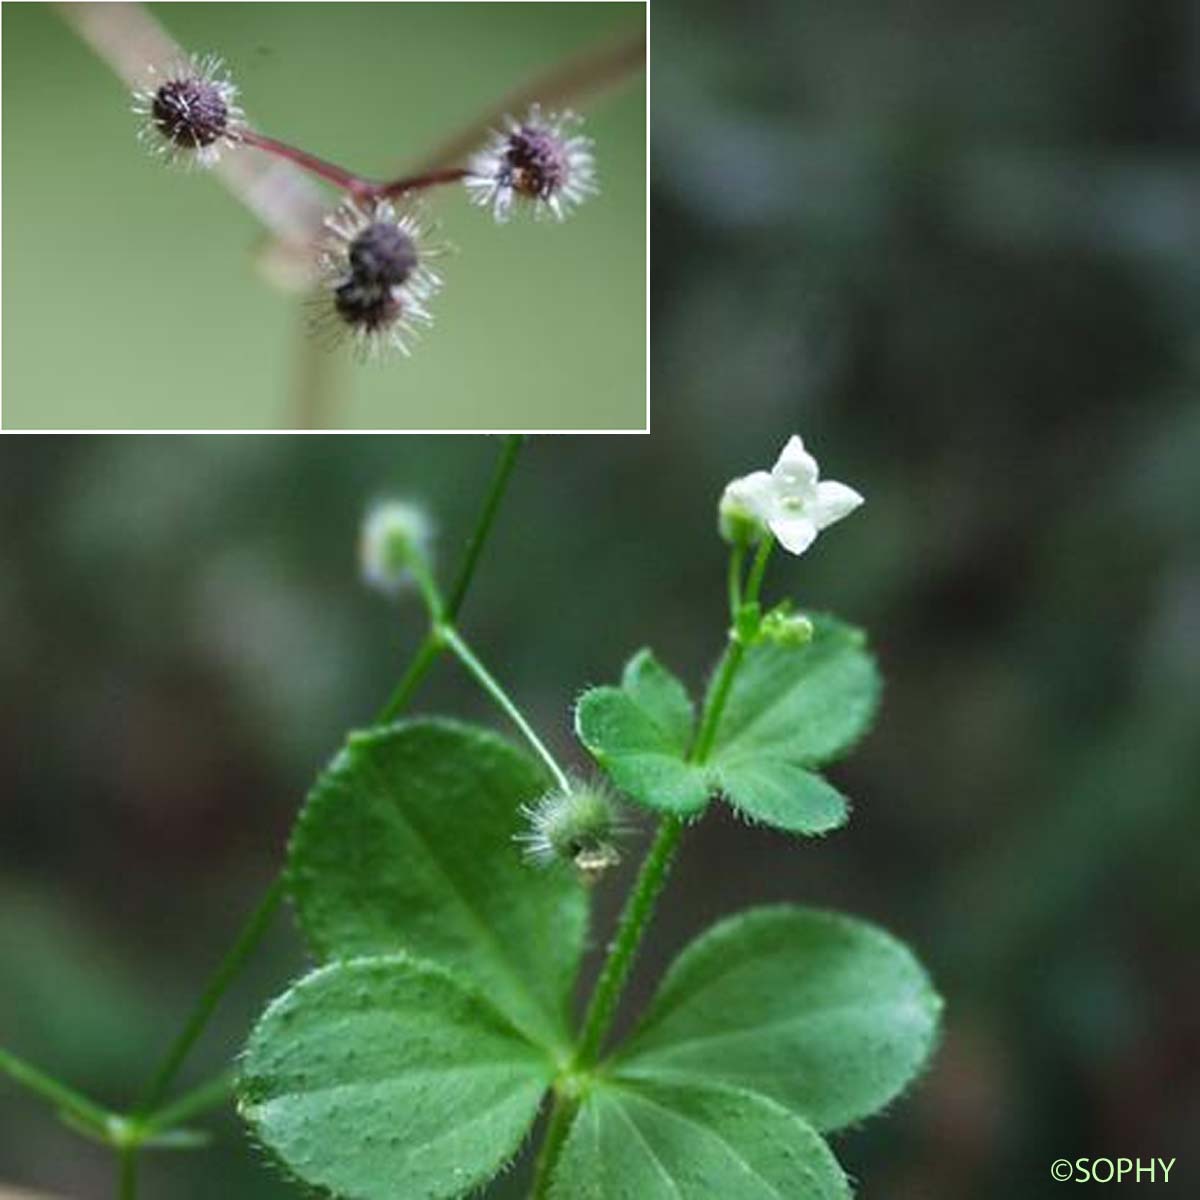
347,181
414,183
310,162
585,73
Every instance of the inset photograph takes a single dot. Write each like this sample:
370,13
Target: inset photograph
331,217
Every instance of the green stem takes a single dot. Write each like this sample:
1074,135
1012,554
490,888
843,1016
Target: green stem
252,932
63,1097
730,663
632,925
127,1173
759,568
453,640
431,647
602,1008
561,1116
434,604
484,522
736,558
418,668
209,1095
732,659
652,877
248,938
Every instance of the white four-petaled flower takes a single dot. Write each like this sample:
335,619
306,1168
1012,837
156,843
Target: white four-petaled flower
790,500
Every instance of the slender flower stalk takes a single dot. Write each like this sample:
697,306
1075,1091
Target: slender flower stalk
566,84
257,924
454,642
357,186
320,167
64,1098
248,939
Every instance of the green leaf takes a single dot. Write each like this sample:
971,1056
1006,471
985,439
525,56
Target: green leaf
781,794
657,1142
660,694
405,843
639,734
801,704
829,1016
386,1077
791,708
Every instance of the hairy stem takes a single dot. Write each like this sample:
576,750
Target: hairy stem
602,1008
451,637
640,903
562,1114
255,927
635,917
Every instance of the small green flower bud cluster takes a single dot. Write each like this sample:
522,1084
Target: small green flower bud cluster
783,627
737,520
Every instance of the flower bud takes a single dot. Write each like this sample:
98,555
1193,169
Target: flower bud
394,534
738,518
782,627
578,826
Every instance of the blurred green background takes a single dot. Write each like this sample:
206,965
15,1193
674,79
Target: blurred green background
131,292
954,246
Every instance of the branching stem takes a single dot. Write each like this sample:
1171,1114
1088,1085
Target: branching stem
256,925
356,185
247,941
64,1098
330,172
127,1164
